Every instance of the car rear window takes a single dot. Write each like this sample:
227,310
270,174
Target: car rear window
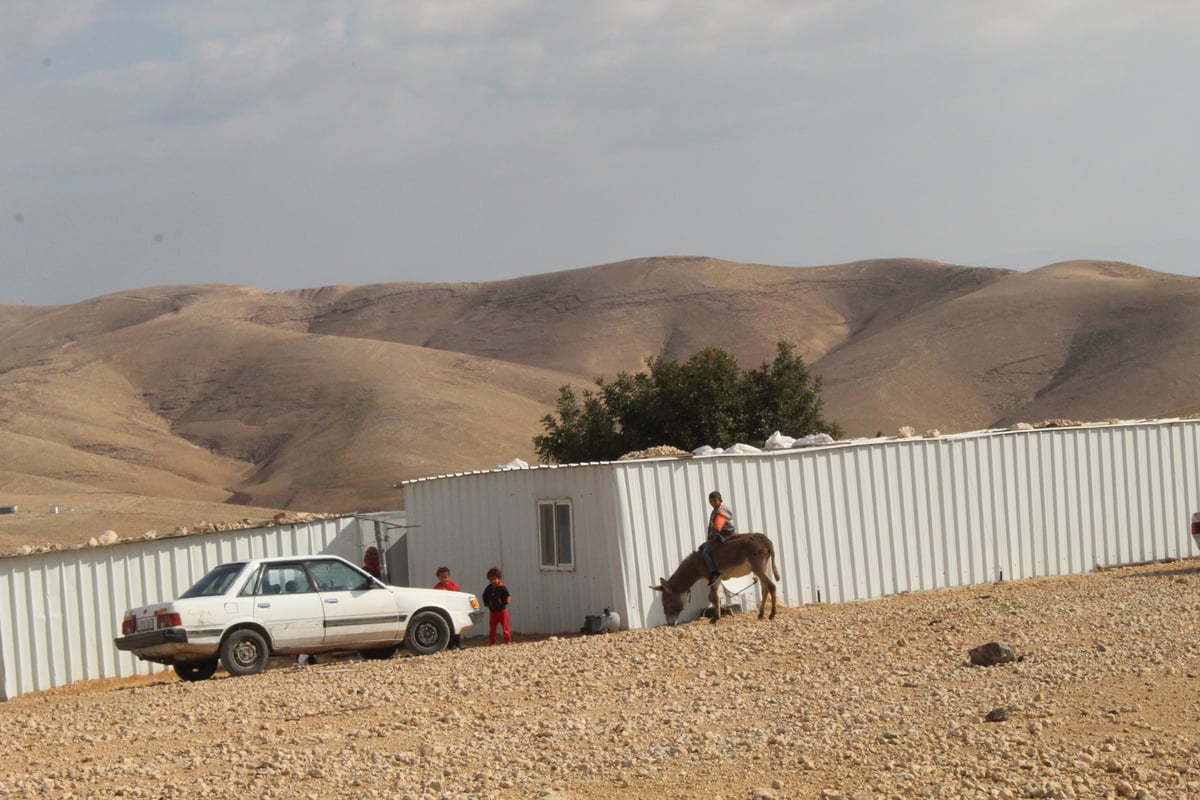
216,582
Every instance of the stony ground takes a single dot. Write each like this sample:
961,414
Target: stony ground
865,700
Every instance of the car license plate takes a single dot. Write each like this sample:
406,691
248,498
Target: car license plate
145,624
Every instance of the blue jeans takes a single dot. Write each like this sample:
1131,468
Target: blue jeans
706,554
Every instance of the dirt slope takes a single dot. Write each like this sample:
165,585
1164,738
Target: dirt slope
859,701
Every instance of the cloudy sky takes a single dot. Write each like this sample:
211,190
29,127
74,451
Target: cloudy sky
285,144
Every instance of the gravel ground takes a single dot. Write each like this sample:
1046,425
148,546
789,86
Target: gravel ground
863,700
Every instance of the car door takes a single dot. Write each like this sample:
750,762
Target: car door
359,611
289,607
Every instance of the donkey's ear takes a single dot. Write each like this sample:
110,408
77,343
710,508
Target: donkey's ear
657,588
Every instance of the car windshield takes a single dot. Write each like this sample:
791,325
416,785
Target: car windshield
216,582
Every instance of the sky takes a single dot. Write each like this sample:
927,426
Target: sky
287,144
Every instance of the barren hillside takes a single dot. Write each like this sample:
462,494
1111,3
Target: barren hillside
162,407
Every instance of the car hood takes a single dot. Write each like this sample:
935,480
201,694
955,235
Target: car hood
412,595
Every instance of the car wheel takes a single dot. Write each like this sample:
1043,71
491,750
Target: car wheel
196,670
244,652
378,653
427,633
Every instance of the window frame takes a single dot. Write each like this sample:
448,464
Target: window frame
557,506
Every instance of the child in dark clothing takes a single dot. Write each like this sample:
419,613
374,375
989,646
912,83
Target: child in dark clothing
371,562
497,597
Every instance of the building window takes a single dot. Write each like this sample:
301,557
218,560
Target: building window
556,532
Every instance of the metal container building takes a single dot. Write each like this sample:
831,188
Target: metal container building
60,610
850,521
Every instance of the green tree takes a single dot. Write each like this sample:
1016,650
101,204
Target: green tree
783,396
584,430
695,403
706,400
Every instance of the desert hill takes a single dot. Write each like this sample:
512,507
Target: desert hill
160,407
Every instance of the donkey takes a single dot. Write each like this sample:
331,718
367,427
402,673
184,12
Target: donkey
740,555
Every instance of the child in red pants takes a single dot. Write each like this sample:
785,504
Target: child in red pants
497,597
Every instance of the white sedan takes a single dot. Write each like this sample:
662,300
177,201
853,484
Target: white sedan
244,612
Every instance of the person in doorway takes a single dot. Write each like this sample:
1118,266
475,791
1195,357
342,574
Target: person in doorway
497,597
371,562
720,528
446,583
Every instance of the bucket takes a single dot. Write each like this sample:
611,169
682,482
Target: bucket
593,624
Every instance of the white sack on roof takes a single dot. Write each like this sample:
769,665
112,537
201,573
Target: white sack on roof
816,438
516,463
778,441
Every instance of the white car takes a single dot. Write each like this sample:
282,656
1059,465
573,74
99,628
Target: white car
244,612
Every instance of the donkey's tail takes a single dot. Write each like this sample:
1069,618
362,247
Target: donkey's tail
774,566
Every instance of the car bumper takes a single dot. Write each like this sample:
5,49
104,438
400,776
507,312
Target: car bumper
147,639
168,645
463,621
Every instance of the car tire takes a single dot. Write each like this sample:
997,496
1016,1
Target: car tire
244,652
196,670
378,653
427,633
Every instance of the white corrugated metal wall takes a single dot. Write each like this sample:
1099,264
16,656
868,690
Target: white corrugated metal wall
850,521
863,520
473,521
62,609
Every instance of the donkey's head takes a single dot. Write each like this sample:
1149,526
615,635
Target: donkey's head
673,602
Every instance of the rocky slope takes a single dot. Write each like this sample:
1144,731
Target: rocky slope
858,701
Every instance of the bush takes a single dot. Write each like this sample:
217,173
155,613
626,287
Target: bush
706,400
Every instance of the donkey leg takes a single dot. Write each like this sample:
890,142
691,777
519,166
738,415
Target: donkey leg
768,589
714,597
762,582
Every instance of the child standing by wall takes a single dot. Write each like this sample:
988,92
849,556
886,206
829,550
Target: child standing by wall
371,562
497,597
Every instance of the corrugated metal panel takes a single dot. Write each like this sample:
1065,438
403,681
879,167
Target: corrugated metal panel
849,521
862,521
62,609
473,521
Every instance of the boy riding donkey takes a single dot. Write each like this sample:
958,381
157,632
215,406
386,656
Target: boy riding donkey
741,555
720,528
